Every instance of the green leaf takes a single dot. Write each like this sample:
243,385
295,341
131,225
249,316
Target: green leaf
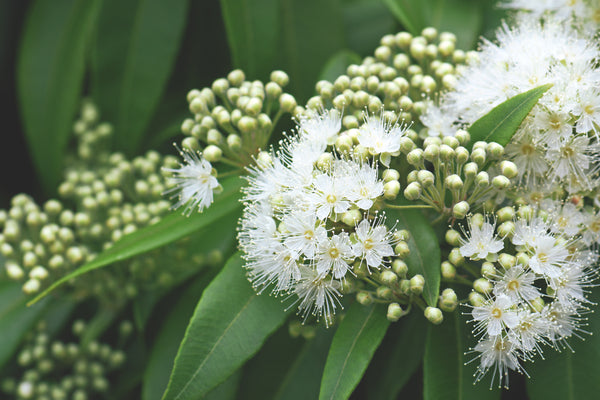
169,229
337,64
227,389
410,13
464,18
164,349
135,49
50,70
397,358
16,320
365,23
229,325
501,123
252,32
424,257
302,380
569,375
312,30
353,346
445,375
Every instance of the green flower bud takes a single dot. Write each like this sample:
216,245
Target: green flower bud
425,178
14,271
390,175
400,268
413,191
384,292
407,146
39,273
394,312
488,270
236,77
476,299
417,283
494,150
287,102
478,156
405,286
32,286
537,304
351,217
470,170
482,285
522,258
500,182
509,169
428,84
454,182
220,86
460,210
505,214
212,153
447,153
446,48
482,179
388,278
453,237
455,257
344,143
506,229
431,152
280,78
402,250
402,235
364,298
448,270
434,315
448,300
391,190
507,261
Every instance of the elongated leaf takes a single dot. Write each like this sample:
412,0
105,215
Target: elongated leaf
500,124
312,30
227,389
134,52
302,380
569,375
354,343
365,23
445,375
229,325
172,227
424,257
50,72
252,33
15,319
464,18
410,13
160,362
337,64
397,358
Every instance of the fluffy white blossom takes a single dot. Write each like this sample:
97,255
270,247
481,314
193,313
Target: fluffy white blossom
481,242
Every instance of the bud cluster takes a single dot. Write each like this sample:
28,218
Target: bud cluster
56,370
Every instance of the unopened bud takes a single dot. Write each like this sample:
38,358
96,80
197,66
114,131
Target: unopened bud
434,315
448,300
390,175
455,257
400,268
454,182
448,270
507,261
478,156
351,217
388,278
364,298
501,182
384,292
494,150
476,299
417,283
425,178
453,237
394,312
212,153
460,210
470,170
287,102
391,190
482,285
412,191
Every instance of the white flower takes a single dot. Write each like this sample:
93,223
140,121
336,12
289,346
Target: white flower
517,284
193,182
373,243
482,241
529,333
493,316
550,255
498,354
304,232
363,186
321,127
328,195
576,160
318,295
333,255
381,137
528,232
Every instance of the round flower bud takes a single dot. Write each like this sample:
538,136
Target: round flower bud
537,304
449,82
415,157
505,214
522,258
388,278
425,178
507,260
478,156
434,315
344,143
236,77
470,170
407,146
501,182
431,152
391,190
234,142
506,229
280,78
26,390
494,150
428,84
463,136
447,153
401,249
412,176
454,182
32,286
400,268
413,191
39,273
212,153
390,175
364,298
402,234
417,283
453,237
446,48
488,270
351,217
448,270
14,271
287,102
482,179
455,257
509,169
482,285
476,299
384,292
394,312
460,209
448,300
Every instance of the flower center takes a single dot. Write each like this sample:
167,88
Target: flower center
543,257
309,235
364,192
567,152
331,198
496,312
589,109
334,253
527,149
369,244
513,285
595,226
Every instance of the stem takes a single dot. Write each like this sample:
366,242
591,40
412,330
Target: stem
407,207
238,171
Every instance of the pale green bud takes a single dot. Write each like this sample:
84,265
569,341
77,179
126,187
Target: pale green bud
448,300
344,143
434,315
448,270
495,150
505,214
390,175
478,156
522,258
400,268
446,48
425,178
470,170
220,86
39,273
32,286
403,39
234,142
13,271
453,237
384,292
454,182
476,299
455,257
351,217
482,285
412,176
500,182
401,61
405,286
280,78
537,304
407,146
431,152
413,191
391,190
460,209
212,153
447,153
401,249
394,312
482,179
364,298
507,261
236,77
428,84
488,270
388,278
417,283
509,169
287,102
463,137
506,229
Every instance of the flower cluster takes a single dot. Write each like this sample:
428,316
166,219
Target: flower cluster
536,270
557,145
311,216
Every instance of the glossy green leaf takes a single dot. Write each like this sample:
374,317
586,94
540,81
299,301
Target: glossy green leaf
365,23
338,63
16,319
253,34
410,13
169,229
50,71
164,349
569,375
353,346
302,380
398,357
229,325
312,30
135,48
227,390
424,257
445,375
501,123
